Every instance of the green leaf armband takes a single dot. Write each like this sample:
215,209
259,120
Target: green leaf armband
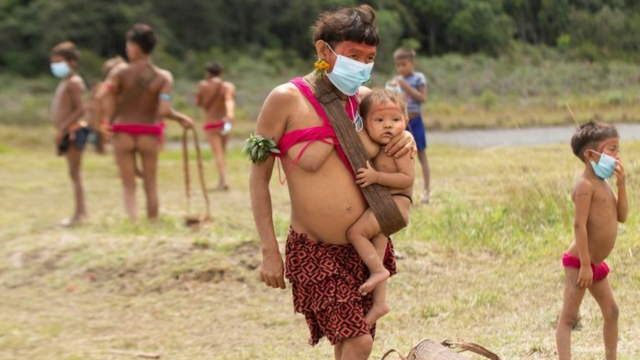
258,148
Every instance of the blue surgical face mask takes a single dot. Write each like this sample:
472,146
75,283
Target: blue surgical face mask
605,167
60,69
348,74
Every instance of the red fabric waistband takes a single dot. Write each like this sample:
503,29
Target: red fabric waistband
139,129
213,125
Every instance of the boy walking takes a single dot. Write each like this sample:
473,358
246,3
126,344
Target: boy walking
66,110
596,226
414,85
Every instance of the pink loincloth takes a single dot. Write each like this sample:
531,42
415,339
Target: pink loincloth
600,272
156,129
211,125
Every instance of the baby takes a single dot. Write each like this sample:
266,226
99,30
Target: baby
383,113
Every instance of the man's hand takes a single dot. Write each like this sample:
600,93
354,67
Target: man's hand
272,270
367,176
105,129
585,277
186,122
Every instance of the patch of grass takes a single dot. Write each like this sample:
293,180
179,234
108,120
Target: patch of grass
481,263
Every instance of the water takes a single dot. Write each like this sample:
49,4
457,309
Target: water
490,137
519,137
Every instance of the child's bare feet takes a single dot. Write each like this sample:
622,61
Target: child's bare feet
373,281
376,312
72,221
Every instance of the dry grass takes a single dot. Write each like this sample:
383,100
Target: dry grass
480,263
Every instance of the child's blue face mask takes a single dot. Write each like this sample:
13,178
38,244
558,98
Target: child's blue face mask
60,69
606,166
348,74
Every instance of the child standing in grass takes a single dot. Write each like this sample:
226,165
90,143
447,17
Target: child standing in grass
66,110
383,111
597,213
414,85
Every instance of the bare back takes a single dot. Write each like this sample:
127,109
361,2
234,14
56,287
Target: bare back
212,96
144,108
602,221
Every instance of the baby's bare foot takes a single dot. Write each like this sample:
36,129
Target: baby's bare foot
377,311
373,281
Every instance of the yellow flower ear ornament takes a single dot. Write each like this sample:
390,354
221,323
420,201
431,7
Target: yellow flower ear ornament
321,67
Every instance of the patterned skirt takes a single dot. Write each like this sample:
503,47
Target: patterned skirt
325,279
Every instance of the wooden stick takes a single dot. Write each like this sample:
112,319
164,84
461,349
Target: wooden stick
136,354
203,183
185,163
573,116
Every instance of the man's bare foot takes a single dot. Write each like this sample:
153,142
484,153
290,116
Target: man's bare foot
221,187
72,221
376,312
373,281
425,197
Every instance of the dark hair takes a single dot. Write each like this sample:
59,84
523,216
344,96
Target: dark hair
404,53
67,50
143,36
589,135
355,24
214,68
380,96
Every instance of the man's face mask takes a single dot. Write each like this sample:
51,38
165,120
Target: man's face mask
606,166
348,74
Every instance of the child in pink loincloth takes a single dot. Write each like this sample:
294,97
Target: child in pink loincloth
383,111
596,226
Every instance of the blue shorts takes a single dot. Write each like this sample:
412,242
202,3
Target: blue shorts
416,127
82,136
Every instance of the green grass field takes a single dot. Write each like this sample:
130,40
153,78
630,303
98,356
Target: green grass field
480,263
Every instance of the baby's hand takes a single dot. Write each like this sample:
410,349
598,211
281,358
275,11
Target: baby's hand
367,176
620,174
585,277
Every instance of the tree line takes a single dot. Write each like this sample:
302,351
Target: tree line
590,29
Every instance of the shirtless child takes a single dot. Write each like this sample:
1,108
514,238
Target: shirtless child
383,111
597,213
98,91
66,110
217,98
140,93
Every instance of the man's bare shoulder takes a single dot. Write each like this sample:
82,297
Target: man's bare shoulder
165,74
229,86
